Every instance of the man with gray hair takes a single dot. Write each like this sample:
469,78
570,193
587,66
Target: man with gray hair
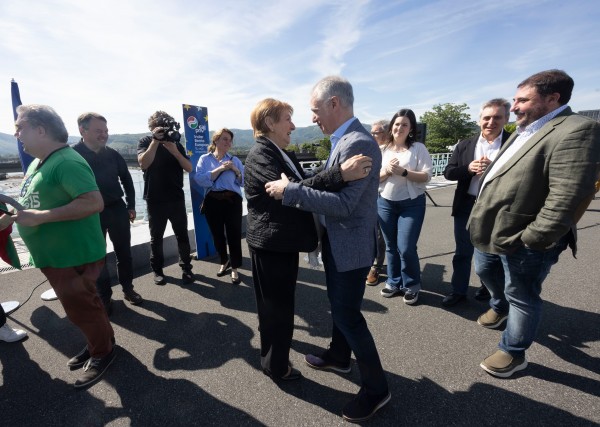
379,131
468,162
61,228
112,176
349,222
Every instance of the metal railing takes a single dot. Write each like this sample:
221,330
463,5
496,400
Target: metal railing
439,162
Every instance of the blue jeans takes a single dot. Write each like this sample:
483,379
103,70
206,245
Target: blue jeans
350,332
515,284
463,254
401,223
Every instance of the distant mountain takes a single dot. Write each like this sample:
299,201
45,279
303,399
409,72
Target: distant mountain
127,142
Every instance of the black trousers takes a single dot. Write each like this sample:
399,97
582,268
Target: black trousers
224,218
158,215
275,276
114,220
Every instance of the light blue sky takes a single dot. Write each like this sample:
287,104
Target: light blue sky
126,59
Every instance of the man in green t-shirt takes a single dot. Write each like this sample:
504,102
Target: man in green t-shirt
61,228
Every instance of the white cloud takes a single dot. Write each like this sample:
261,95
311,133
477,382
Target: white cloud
128,59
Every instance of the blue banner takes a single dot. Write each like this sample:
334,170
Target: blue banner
16,101
197,139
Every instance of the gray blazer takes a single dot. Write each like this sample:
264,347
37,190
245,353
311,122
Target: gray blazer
534,197
351,213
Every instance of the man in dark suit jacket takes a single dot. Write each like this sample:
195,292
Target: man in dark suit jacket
525,215
349,219
468,162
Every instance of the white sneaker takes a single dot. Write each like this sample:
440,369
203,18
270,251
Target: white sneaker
9,334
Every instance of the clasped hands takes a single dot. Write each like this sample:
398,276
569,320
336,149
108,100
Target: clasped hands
479,166
394,168
354,168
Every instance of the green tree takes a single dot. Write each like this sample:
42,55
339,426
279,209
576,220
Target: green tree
324,148
293,147
308,147
446,125
510,127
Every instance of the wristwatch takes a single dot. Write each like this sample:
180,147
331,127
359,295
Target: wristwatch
405,172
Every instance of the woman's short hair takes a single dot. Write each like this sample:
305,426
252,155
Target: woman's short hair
212,146
268,107
412,135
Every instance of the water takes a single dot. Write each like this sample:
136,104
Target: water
12,186
140,204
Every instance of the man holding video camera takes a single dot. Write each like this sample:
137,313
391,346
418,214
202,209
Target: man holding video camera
163,160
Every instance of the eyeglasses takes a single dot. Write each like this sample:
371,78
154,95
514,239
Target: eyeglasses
378,132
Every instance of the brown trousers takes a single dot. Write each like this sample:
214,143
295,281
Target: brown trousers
76,290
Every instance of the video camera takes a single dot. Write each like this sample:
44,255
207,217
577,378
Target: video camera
170,130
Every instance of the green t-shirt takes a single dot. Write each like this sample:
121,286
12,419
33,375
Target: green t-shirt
62,177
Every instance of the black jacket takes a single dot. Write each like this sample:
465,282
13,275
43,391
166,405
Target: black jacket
457,168
270,225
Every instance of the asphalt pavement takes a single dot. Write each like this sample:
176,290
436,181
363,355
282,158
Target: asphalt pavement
190,354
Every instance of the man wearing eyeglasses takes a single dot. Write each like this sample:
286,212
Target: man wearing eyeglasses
379,131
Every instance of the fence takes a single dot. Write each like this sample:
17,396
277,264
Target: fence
439,162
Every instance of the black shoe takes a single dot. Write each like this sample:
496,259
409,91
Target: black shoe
364,406
223,270
159,278
187,277
79,360
133,297
325,363
94,368
293,374
235,278
453,299
482,293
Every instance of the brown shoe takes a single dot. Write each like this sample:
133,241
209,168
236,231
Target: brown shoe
491,319
373,277
502,364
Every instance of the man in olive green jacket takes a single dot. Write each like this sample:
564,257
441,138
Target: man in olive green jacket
529,201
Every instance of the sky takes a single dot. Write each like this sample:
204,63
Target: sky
127,59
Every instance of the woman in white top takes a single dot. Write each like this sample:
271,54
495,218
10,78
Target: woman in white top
406,169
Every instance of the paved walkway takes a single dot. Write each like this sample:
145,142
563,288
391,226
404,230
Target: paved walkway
190,353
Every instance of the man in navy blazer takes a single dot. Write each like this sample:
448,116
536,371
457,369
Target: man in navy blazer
528,205
349,220
469,160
